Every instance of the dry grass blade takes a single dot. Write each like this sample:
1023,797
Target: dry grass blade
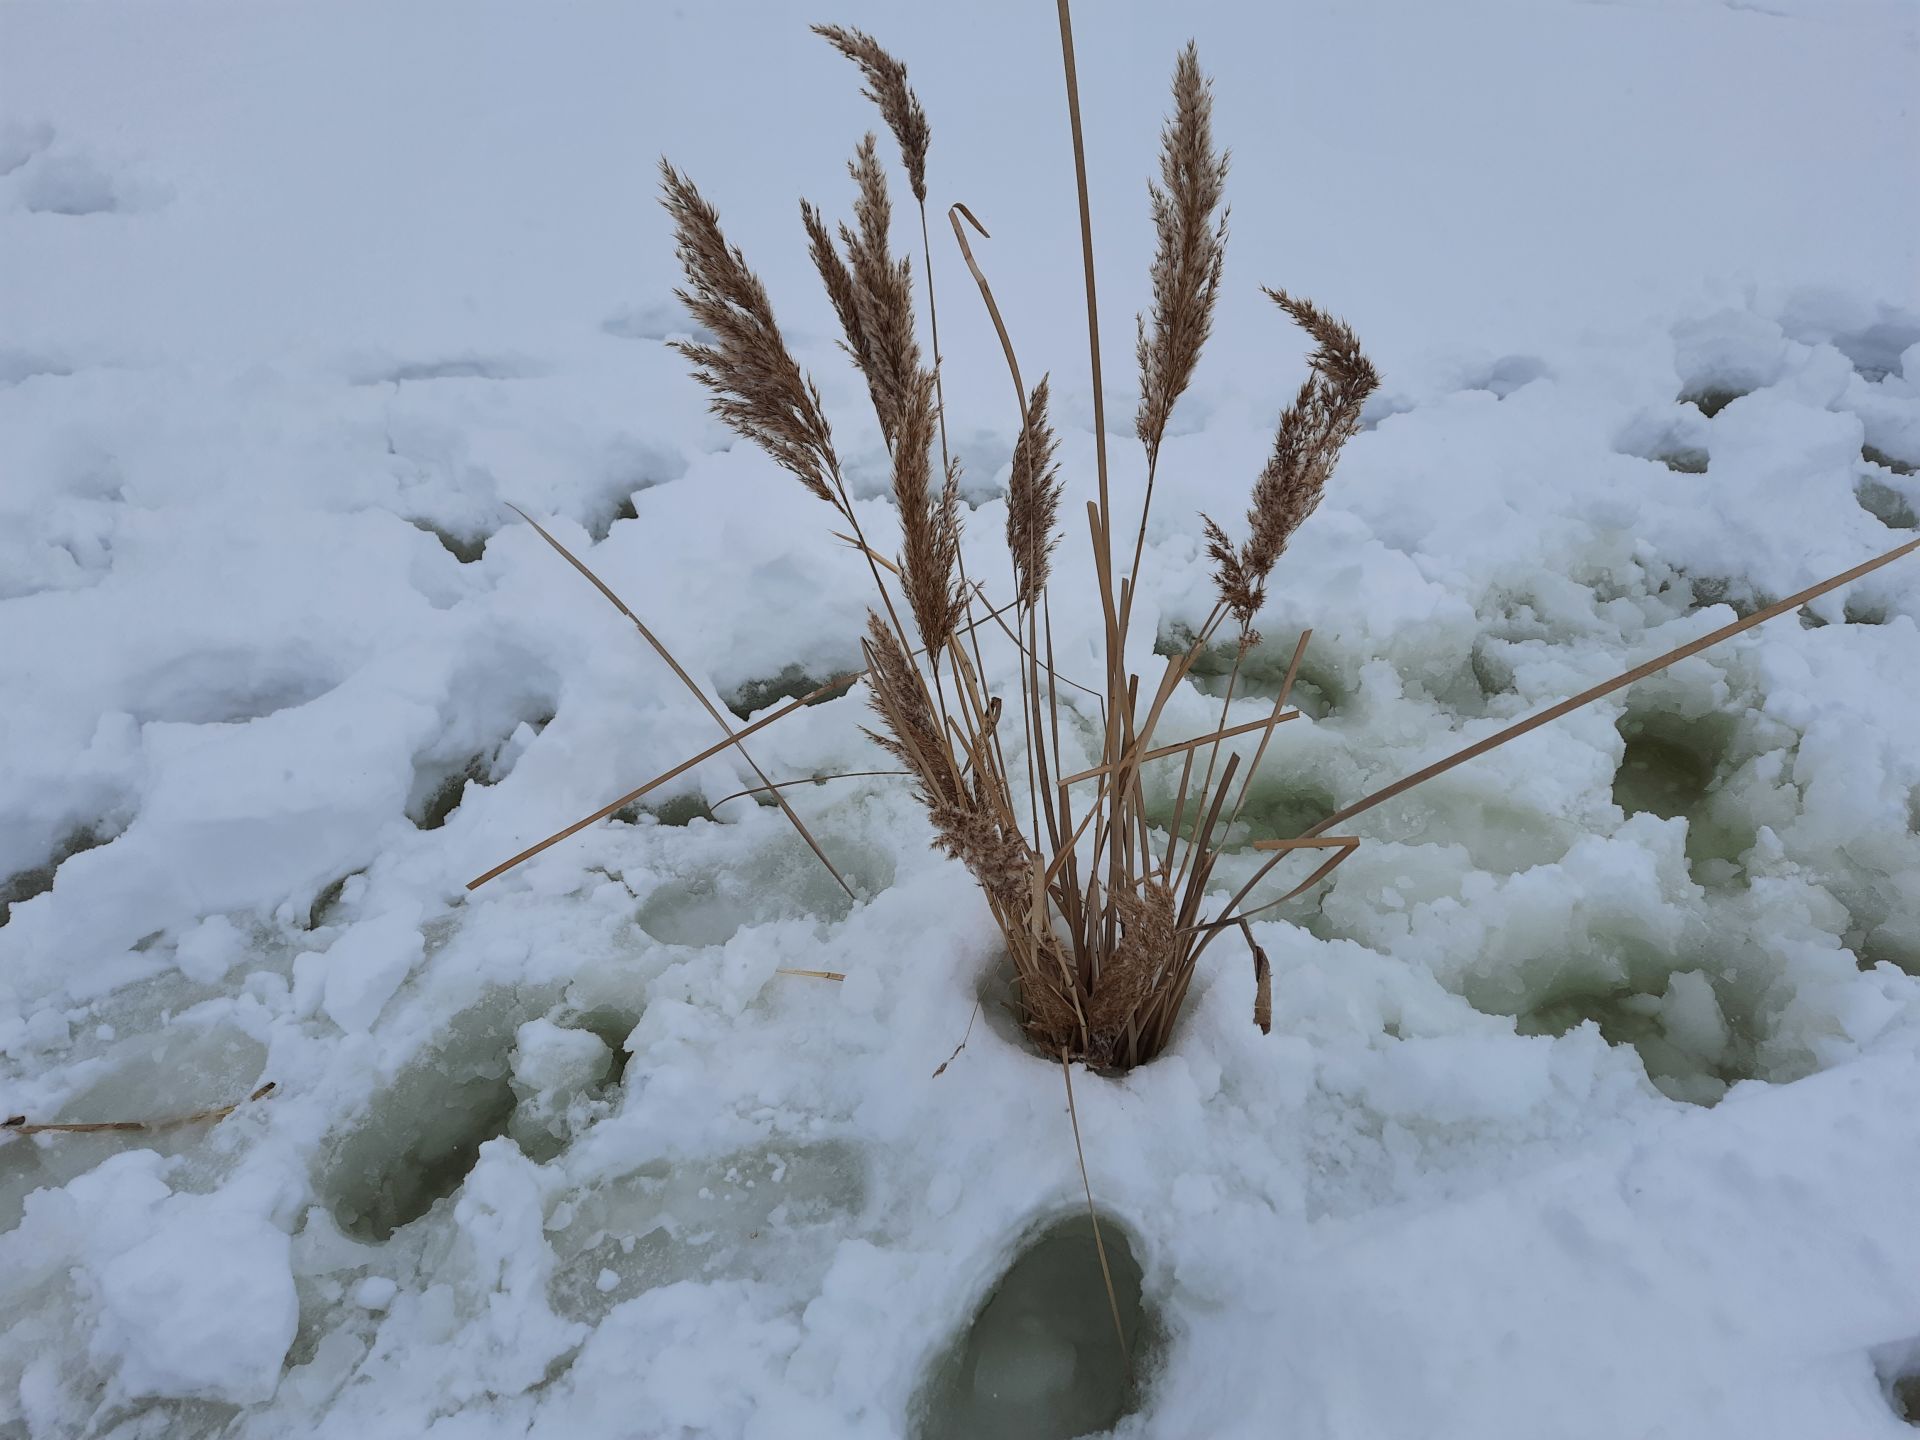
1312,430
17,1124
1191,250
1033,501
758,389
1099,1245
1086,252
965,1036
812,974
954,213
887,87
1639,672
698,694
805,780
839,682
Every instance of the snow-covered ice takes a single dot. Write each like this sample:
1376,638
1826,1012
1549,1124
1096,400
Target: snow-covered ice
1588,1107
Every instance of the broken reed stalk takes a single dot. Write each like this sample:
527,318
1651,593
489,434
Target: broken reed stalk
18,1125
1105,906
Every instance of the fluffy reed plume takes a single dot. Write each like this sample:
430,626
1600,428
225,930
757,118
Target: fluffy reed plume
1323,417
968,824
887,88
757,388
929,521
1033,500
1192,247
871,292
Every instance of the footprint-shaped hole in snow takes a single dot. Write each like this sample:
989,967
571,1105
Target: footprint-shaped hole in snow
1889,506
780,882
1673,766
24,885
421,1135
1692,1043
791,682
1041,1360
1710,400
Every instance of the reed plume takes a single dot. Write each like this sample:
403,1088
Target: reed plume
1312,430
929,521
758,389
1033,500
871,292
1189,255
887,87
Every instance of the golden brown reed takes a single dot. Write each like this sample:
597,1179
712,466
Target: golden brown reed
887,88
1191,249
1323,417
757,388
1033,500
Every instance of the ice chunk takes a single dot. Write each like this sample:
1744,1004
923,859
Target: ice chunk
367,964
202,1308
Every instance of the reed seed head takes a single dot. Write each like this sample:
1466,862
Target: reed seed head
758,390
1192,248
887,87
1033,500
1322,418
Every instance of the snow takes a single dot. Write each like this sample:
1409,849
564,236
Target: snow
1587,1106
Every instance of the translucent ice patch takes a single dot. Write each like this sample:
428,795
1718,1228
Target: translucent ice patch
751,1214
1041,1360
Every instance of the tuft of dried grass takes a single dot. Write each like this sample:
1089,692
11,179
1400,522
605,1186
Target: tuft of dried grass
1105,911
1192,248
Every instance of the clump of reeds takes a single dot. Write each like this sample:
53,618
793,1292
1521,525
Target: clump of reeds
1105,912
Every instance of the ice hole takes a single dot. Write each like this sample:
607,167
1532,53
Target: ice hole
437,792
791,683
754,1213
464,548
1689,1044
681,810
1898,1368
617,508
1319,687
1281,807
1874,455
1904,1395
1684,461
18,888
781,882
1041,1360
1886,504
1674,767
1710,400
324,904
421,1136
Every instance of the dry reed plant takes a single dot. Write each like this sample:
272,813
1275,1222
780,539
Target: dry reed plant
1104,912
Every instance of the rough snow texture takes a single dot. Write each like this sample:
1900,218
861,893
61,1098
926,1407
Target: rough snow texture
1588,1109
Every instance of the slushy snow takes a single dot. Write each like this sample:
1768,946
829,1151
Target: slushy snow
1588,1107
